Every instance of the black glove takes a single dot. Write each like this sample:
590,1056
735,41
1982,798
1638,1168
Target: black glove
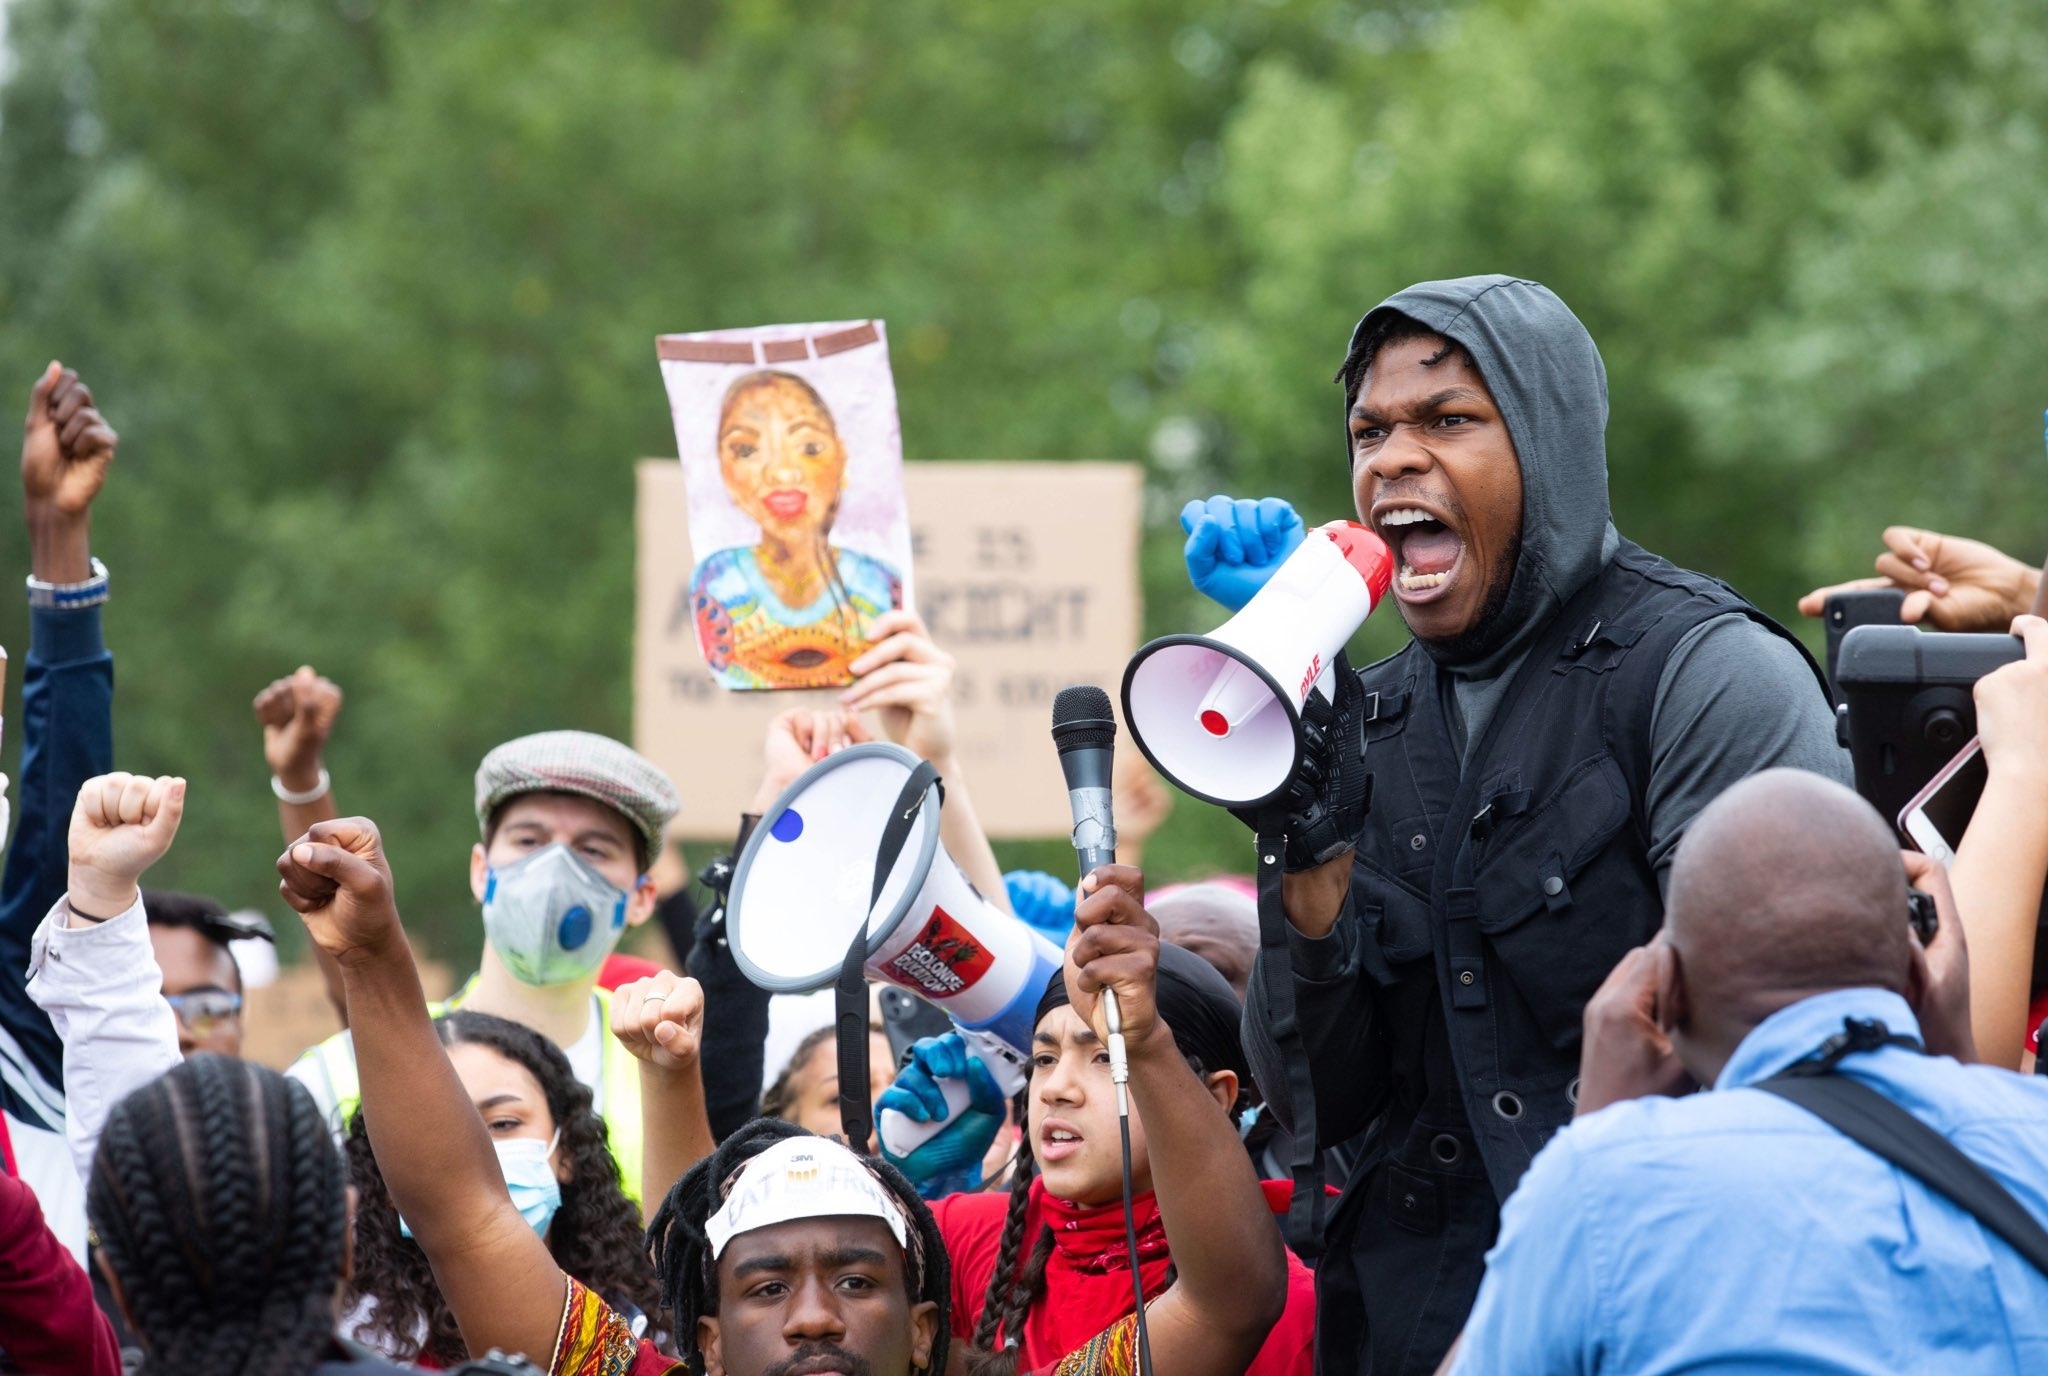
1325,802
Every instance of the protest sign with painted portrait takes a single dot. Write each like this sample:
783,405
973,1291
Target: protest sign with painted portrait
793,465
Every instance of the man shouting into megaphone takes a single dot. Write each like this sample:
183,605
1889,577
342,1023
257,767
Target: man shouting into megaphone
1568,703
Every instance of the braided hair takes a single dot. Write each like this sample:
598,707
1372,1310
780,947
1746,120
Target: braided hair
1201,1010
682,1250
595,1235
1010,1295
217,1199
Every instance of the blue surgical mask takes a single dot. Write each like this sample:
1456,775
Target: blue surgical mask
551,917
529,1177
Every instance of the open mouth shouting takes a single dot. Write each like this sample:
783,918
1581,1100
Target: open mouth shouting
1057,1140
1429,548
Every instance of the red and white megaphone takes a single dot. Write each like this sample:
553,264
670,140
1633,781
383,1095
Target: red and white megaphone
800,891
1220,714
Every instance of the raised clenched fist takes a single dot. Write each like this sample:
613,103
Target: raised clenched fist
121,825
660,1019
297,713
66,445
337,880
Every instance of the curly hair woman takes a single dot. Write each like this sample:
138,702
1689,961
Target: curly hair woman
561,1174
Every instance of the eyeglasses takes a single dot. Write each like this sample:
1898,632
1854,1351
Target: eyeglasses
204,1010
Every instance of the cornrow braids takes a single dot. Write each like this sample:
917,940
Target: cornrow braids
595,1236
1005,1292
217,1199
681,1247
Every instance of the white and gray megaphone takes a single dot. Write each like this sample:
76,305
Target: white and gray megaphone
800,892
1220,714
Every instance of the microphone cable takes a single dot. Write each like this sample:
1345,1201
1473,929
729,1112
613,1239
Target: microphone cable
1120,1076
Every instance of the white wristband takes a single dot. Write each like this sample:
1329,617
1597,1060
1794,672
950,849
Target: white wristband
311,795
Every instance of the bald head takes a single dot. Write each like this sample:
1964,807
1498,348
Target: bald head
1787,885
1216,922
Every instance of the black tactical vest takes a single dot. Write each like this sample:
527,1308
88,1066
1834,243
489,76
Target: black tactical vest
1524,876
1492,899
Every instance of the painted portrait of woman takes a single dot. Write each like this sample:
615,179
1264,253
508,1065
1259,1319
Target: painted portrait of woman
792,609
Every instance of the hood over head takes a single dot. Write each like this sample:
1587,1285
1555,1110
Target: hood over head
1546,377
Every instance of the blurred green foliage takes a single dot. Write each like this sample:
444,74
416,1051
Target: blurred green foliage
369,288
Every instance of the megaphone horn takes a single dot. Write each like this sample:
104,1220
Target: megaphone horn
800,892
1220,714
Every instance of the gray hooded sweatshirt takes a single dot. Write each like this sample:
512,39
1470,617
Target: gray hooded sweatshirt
1734,698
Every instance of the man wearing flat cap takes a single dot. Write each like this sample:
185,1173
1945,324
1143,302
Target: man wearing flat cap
570,822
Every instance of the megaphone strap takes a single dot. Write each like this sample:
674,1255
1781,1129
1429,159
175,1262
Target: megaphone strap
850,998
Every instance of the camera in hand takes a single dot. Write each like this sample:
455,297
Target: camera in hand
1909,704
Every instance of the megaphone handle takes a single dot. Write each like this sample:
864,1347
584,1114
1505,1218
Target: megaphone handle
901,1134
850,1000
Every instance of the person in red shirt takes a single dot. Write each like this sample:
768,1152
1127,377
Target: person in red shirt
1041,1277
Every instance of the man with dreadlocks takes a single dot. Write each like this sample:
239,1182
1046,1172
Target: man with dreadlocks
824,1262
783,1252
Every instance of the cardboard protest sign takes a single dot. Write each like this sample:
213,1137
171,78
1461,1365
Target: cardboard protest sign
1027,573
793,463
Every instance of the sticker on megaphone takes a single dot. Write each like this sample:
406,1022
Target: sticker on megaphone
1220,714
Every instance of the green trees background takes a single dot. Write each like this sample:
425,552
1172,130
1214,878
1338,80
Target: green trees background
368,288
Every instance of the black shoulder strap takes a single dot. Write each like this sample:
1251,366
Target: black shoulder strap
850,1003
1873,1121
1275,970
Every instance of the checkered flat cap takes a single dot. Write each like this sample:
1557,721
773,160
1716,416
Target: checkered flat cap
579,762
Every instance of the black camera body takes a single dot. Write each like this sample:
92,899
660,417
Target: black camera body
1909,704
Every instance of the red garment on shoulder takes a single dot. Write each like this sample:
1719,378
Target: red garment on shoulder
620,968
1087,1280
47,1312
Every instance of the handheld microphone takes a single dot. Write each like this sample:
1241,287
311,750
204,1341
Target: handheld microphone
1084,732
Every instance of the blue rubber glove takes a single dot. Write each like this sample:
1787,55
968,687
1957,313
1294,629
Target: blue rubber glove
1044,901
959,1146
1234,544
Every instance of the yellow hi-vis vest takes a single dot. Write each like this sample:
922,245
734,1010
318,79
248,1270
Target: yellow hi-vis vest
619,1072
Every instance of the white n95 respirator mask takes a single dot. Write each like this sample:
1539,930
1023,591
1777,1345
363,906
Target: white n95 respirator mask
551,916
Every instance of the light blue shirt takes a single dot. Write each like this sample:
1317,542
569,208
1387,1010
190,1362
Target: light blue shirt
1733,1231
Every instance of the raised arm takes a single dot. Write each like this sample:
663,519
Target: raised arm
908,681
297,713
94,971
1226,1247
67,706
495,1272
660,1019
2002,863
